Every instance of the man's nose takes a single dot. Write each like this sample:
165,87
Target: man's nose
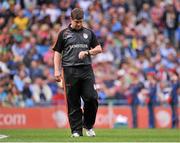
78,23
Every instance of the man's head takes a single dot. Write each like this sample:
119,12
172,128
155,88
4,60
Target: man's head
77,15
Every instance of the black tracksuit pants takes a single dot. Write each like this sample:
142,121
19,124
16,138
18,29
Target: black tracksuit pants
80,81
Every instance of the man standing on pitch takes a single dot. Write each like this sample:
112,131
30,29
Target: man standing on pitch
73,50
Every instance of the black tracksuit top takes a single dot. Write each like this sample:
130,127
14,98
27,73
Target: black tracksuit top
70,42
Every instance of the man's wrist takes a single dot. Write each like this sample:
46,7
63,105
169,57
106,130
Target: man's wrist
88,52
57,73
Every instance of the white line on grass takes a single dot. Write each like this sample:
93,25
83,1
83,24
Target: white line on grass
90,142
3,136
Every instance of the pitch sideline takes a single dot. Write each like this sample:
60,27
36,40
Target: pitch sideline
3,136
90,142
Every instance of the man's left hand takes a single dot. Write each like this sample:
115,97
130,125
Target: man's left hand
83,54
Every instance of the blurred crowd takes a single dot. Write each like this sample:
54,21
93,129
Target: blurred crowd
139,64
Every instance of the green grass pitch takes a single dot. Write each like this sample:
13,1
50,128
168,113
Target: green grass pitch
102,135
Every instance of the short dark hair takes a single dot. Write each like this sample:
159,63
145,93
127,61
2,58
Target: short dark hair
77,13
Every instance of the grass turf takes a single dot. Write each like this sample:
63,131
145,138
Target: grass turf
103,135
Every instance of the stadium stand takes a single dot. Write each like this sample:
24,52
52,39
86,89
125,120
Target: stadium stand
140,38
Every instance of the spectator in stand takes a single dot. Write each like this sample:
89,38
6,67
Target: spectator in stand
21,21
145,28
3,18
173,99
35,69
3,93
152,88
134,88
139,3
27,93
15,97
118,27
170,18
41,92
157,13
145,12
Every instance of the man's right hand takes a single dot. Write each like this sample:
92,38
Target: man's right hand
58,78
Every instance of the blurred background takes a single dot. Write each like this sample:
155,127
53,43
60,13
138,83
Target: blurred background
137,75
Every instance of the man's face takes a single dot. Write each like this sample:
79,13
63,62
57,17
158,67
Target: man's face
76,24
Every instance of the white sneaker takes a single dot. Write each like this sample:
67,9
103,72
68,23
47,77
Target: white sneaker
75,135
90,133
